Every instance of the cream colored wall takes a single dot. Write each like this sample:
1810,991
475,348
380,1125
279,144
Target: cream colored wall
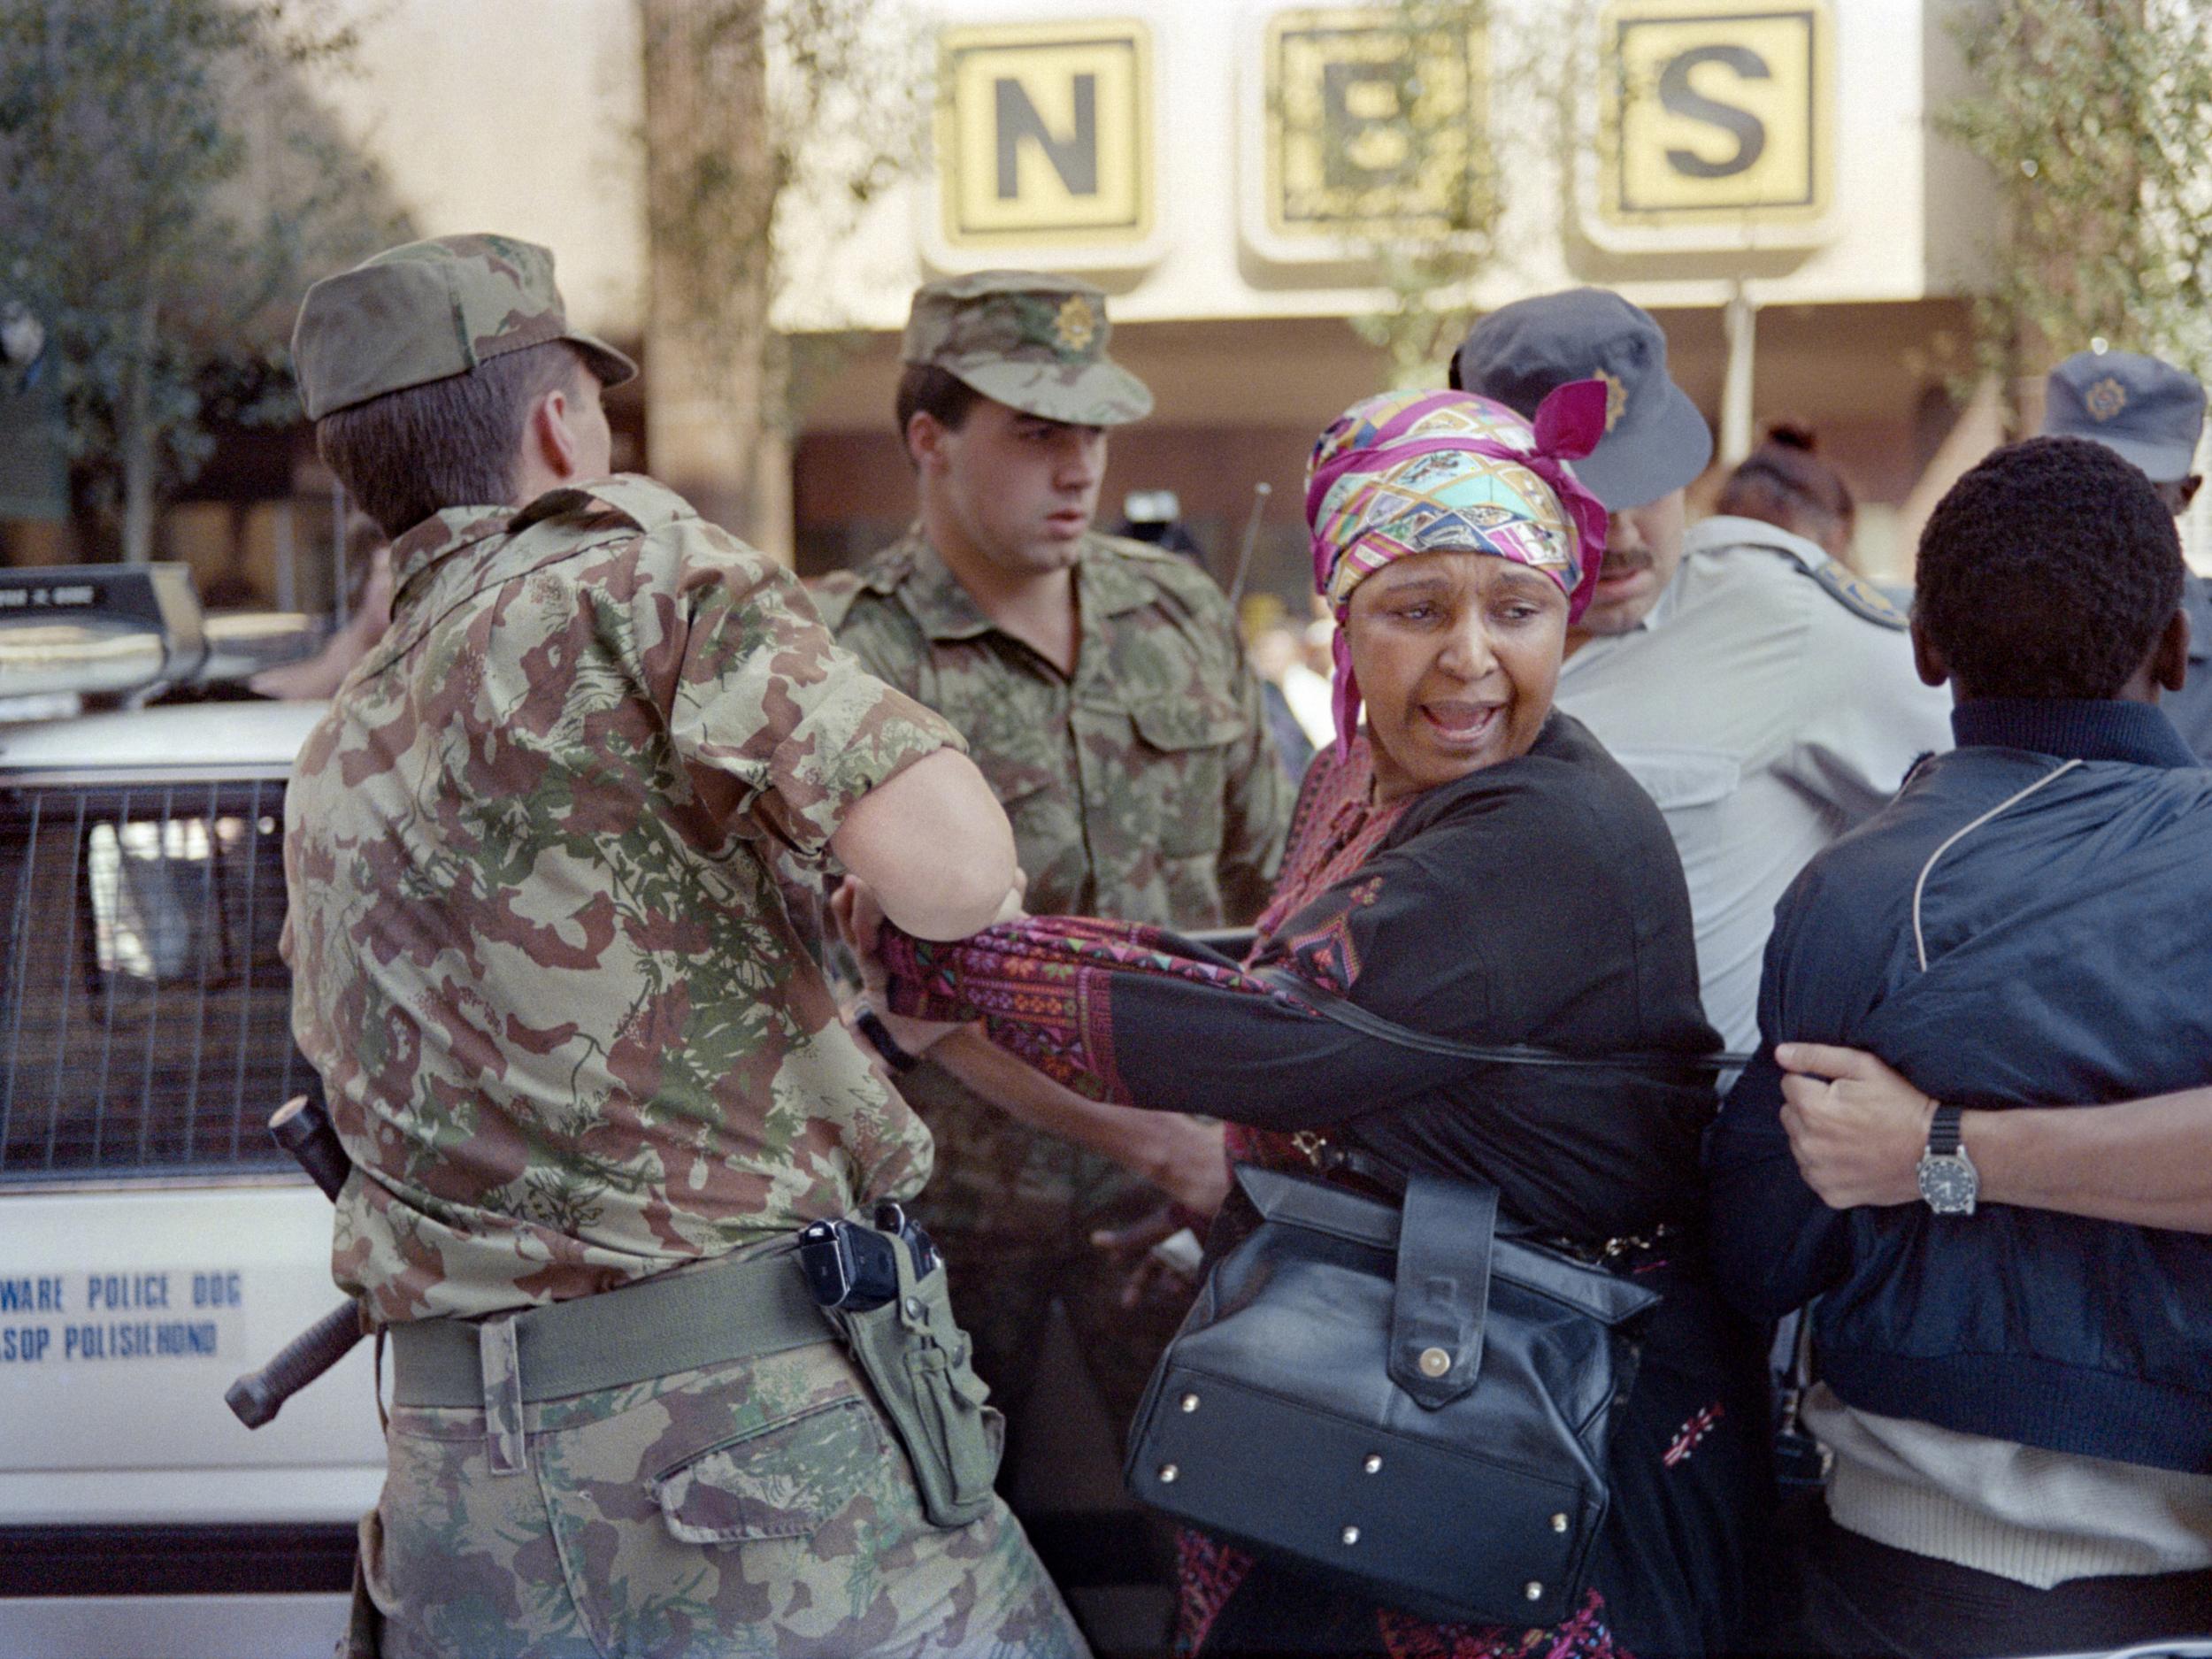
522,115
518,116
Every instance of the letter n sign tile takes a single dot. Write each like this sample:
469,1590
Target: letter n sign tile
1045,135
1716,112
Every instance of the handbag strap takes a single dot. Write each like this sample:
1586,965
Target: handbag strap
1442,1298
1352,1017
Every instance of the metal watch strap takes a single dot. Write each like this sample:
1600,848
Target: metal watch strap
1944,1136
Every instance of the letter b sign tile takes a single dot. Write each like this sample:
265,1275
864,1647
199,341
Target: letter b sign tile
1045,135
1717,112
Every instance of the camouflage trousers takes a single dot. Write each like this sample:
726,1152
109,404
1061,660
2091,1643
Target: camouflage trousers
758,1508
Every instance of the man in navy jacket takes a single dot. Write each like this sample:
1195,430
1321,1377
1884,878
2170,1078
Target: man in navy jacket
2018,1401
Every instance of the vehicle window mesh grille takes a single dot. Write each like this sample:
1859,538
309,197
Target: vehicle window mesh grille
145,1014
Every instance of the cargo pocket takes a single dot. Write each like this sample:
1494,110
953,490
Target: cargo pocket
782,1482
1187,765
917,1358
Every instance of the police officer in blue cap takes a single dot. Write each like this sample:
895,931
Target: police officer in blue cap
2151,413
1761,692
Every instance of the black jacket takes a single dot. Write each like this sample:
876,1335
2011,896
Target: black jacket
2068,947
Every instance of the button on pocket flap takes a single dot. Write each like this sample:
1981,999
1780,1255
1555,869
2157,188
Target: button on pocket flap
1675,778
783,1482
1179,725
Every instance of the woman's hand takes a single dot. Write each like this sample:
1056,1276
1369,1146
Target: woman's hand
1856,1127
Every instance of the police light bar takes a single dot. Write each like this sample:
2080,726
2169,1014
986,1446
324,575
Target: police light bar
99,629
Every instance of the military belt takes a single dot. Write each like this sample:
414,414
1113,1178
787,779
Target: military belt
678,1321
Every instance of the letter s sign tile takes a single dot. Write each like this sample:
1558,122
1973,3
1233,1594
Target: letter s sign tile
1716,114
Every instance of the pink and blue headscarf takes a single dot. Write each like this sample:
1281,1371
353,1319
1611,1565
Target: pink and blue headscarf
1427,472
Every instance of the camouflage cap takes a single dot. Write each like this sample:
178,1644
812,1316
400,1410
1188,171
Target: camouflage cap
428,310
1034,343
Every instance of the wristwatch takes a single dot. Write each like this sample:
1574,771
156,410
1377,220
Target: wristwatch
1949,1180
872,1028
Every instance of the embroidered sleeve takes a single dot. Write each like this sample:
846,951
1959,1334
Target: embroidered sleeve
1043,988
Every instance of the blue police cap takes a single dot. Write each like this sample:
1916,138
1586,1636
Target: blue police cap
1654,439
2146,411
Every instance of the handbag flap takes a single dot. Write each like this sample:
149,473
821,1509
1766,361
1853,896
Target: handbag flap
1301,1200
1443,1297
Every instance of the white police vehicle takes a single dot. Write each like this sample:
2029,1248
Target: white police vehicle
154,1243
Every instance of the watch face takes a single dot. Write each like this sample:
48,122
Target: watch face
1948,1184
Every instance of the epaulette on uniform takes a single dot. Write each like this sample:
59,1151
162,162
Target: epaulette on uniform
1856,594
834,594
1178,575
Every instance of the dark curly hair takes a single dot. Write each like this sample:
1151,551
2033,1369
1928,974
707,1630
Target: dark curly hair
2049,571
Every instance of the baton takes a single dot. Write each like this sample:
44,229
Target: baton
257,1397
303,1129
1261,491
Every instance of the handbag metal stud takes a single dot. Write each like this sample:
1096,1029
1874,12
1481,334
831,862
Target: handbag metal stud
1535,1591
1190,1403
1373,1465
1558,1523
1434,1361
1351,1534
1168,1471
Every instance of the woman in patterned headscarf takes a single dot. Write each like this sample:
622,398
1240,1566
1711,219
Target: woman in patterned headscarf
1472,864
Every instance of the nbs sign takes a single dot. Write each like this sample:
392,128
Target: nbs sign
1712,128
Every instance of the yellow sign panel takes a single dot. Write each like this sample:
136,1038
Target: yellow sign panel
1045,134
1374,127
1718,112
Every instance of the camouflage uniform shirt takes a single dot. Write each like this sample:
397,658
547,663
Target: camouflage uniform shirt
568,1033
1144,786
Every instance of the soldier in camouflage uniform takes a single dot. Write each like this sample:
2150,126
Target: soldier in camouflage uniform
1101,688
581,1060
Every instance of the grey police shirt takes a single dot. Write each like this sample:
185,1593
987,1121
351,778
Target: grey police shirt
1767,712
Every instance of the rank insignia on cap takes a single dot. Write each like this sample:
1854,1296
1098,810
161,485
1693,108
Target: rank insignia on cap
2107,398
1616,397
1076,326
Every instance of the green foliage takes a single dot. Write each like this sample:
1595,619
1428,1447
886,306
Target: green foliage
2095,117
1429,245
760,110
166,190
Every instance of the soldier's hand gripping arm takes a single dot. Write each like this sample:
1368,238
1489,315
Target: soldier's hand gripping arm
1182,1156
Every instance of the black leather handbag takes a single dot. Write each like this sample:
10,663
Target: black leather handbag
1397,1396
